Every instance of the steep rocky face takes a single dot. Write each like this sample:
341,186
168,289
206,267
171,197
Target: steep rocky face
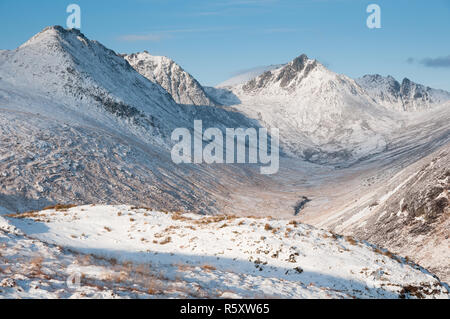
182,86
423,200
410,214
287,76
405,96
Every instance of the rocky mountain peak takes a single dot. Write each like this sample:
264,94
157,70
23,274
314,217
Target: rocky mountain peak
404,96
288,75
183,87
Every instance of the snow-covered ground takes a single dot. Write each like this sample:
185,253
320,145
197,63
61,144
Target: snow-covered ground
124,251
79,125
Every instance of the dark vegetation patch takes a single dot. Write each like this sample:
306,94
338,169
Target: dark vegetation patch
300,204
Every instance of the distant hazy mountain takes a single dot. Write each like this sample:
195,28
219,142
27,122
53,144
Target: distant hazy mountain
405,96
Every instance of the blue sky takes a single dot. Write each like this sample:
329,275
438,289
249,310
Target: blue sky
215,39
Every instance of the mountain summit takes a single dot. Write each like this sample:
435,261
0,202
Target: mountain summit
322,116
404,96
287,77
68,76
183,87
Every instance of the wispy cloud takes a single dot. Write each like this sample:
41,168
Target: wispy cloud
159,35
245,2
140,37
280,30
440,62
208,13
230,7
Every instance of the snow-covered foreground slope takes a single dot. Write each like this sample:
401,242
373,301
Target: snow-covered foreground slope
160,69
194,256
30,268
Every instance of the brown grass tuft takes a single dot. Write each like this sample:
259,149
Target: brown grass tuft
351,240
166,241
208,268
60,207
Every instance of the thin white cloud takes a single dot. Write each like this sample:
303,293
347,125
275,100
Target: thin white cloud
280,30
208,13
155,36
141,37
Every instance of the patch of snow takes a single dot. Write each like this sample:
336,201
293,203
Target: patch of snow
245,257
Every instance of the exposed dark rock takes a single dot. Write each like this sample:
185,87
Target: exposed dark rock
301,204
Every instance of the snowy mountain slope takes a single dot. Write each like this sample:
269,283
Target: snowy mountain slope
44,161
405,96
224,95
61,74
64,75
160,69
64,66
408,214
100,130
323,117
223,256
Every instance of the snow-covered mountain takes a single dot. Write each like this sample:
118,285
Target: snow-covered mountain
408,213
62,74
183,87
90,128
322,116
140,252
405,96
79,125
